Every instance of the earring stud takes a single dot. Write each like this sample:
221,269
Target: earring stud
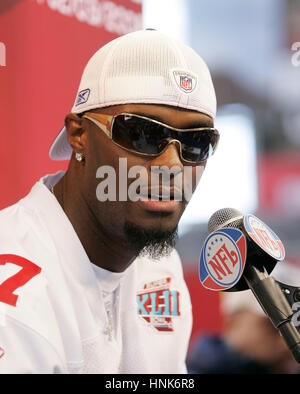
79,157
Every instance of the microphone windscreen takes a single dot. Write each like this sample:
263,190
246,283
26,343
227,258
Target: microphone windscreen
225,217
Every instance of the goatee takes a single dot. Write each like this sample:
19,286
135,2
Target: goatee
153,243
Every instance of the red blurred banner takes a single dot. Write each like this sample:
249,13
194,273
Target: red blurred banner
279,184
44,46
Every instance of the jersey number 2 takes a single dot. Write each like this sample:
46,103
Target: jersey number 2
28,271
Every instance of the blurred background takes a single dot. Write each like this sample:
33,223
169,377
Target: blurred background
253,51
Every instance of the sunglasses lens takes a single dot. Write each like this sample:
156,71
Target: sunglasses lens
148,137
199,145
140,135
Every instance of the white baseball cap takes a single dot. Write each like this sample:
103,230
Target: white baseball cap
141,67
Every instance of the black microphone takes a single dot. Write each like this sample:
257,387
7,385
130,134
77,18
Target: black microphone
239,253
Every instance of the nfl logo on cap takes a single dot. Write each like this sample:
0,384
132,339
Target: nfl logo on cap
186,83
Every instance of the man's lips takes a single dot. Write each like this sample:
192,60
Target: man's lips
162,199
159,205
161,193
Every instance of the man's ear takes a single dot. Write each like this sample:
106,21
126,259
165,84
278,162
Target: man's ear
76,133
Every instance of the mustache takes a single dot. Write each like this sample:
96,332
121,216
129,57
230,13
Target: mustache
161,188
161,192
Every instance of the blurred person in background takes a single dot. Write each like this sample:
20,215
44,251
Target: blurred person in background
249,343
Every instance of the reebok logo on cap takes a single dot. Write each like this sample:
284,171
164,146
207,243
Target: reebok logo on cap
83,96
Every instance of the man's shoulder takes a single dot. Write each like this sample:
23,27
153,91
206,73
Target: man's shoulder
9,218
26,252
24,239
15,219
22,223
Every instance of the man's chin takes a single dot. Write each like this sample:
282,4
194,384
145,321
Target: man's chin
155,243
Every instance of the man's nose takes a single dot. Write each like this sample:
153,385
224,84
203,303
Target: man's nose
170,157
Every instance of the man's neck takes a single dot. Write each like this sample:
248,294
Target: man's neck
108,252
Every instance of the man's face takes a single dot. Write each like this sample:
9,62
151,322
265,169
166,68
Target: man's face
147,215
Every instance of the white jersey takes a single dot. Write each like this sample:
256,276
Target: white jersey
59,313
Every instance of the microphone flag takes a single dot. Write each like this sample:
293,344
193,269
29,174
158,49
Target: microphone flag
222,259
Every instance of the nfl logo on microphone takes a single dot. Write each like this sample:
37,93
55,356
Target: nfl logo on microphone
222,259
263,236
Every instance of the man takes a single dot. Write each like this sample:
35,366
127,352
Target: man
100,288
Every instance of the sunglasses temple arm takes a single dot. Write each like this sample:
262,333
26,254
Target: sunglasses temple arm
101,126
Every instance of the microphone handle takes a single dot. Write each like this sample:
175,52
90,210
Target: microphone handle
274,303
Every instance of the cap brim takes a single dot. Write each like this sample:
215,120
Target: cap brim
60,148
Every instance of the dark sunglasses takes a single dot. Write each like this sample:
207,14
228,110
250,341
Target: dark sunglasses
149,137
